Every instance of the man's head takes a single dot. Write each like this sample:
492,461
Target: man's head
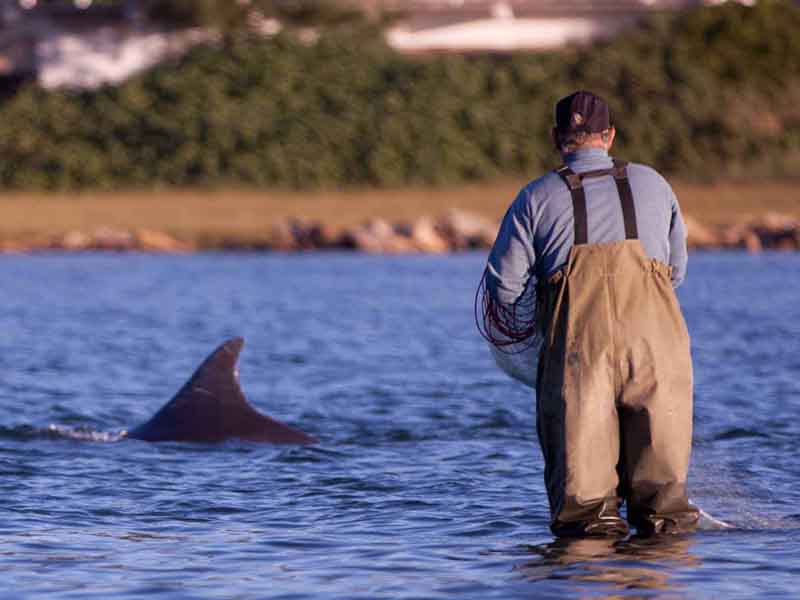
582,121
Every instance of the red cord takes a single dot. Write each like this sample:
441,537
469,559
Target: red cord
510,328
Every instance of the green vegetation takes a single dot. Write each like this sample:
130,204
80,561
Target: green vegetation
711,93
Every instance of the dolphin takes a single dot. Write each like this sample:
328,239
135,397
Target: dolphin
211,407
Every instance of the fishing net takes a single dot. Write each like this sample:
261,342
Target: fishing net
511,330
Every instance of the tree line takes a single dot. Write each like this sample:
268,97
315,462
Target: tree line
709,93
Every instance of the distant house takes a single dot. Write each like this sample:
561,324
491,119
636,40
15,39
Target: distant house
506,25
84,44
81,44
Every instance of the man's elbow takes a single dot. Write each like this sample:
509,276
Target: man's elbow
678,275
504,295
499,292
679,261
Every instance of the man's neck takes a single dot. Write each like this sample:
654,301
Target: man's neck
585,152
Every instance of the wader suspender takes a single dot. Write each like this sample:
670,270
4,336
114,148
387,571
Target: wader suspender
574,182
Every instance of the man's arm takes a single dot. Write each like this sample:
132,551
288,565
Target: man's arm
512,257
678,255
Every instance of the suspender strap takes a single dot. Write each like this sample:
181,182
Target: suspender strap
574,182
626,198
581,218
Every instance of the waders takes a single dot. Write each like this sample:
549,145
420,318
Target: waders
614,391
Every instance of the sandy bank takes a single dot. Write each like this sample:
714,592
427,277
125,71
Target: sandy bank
754,216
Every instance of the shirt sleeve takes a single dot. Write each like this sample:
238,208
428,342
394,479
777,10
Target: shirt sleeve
512,258
678,255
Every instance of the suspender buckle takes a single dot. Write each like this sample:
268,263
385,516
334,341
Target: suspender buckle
572,179
620,171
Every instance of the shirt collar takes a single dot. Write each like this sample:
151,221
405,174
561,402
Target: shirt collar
587,159
585,155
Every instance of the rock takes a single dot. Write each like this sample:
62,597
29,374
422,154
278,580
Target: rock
74,241
424,236
148,240
740,236
751,242
106,238
376,236
777,222
13,247
787,239
733,236
322,236
294,234
464,231
282,236
772,231
789,242
301,230
777,231
699,236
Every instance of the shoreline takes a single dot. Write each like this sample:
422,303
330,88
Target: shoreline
749,216
454,231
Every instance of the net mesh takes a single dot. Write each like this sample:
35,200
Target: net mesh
512,330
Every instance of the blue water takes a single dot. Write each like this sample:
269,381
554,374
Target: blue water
427,482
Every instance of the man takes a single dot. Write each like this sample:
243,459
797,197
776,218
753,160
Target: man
606,243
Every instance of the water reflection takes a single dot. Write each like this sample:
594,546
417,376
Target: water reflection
632,564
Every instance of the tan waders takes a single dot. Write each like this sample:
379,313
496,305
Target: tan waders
614,393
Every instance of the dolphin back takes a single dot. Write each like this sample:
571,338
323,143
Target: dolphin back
211,407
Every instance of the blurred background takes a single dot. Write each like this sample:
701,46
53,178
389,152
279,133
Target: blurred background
386,126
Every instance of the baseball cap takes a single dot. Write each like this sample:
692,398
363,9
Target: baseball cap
582,111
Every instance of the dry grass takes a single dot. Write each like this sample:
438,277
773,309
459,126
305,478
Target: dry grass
728,202
248,214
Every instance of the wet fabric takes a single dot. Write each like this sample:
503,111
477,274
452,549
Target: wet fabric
614,393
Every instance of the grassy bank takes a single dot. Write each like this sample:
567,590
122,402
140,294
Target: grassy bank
193,215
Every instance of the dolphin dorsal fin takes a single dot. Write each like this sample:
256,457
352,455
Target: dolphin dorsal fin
211,407
217,377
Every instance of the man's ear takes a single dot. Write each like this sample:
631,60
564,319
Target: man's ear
612,133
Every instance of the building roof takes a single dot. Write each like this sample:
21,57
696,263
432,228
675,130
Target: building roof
525,8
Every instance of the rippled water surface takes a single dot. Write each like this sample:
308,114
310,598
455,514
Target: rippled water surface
427,482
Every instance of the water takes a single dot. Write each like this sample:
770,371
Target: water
427,482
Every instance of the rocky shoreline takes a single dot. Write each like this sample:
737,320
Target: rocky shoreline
772,231
452,232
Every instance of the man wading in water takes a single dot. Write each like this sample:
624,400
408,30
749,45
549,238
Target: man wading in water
606,244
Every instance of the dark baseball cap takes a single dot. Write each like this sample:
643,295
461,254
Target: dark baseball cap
582,111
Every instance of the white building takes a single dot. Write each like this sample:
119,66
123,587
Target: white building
80,45
508,25
76,43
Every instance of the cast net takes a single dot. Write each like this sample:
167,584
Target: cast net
511,330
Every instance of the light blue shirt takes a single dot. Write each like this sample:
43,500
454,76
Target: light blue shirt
538,230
